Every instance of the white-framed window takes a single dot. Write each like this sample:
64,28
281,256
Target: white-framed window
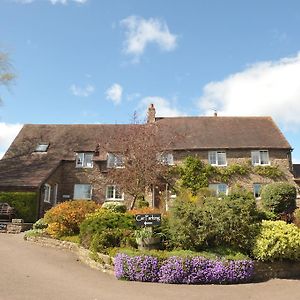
257,190
166,158
55,193
113,193
219,188
217,158
82,191
115,160
47,193
42,147
84,160
260,157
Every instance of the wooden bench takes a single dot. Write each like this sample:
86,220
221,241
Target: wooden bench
7,211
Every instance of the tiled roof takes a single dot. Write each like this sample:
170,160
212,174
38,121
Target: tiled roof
22,166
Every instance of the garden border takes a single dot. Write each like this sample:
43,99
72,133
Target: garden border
263,271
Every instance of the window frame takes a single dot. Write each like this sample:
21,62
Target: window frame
166,158
83,198
115,161
47,193
115,187
259,155
216,153
83,161
258,192
42,148
218,193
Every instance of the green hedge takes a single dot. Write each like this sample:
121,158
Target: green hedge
25,204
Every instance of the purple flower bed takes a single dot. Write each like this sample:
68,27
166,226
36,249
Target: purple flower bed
136,268
195,270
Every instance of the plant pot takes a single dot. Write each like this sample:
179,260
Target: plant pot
152,243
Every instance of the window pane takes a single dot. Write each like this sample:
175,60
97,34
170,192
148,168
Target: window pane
212,157
118,194
110,160
221,158
110,192
264,157
82,191
42,148
214,188
88,160
79,159
119,161
255,157
222,188
256,190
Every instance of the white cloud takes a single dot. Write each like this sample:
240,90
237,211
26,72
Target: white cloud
164,107
114,93
265,88
141,32
7,134
82,91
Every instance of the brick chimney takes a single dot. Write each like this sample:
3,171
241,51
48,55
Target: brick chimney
151,114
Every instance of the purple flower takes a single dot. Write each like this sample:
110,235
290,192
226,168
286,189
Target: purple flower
195,270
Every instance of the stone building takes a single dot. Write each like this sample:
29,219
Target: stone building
63,162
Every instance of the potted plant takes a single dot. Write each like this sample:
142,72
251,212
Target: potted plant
147,239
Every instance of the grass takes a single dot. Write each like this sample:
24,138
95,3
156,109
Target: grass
216,253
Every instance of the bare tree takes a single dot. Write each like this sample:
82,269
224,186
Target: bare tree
140,161
6,71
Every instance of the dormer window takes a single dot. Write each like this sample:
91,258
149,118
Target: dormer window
84,160
115,160
166,159
41,147
217,158
260,158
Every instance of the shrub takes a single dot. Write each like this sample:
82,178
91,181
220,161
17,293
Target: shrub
102,225
279,197
277,241
231,222
189,270
144,210
25,204
115,206
65,218
141,203
111,238
40,224
297,217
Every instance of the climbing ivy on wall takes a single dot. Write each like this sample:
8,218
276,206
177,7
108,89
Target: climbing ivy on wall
195,174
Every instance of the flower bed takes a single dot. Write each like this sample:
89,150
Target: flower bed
193,270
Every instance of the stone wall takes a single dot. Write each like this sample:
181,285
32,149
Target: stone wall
67,175
278,158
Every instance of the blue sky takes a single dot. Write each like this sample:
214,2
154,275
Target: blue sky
92,61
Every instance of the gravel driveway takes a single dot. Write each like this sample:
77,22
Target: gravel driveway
30,271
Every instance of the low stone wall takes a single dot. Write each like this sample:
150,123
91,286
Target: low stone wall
283,270
18,227
104,262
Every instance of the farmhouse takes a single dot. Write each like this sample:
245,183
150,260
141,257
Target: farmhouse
63,162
